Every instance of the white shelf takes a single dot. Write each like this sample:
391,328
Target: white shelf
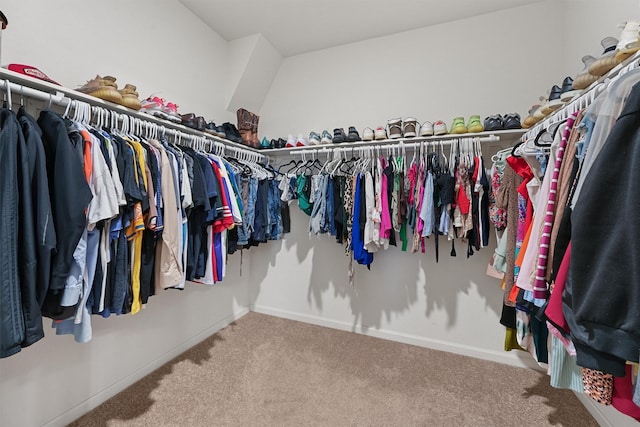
502,134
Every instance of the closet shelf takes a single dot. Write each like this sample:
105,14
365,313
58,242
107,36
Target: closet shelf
585,98
33,88
514,134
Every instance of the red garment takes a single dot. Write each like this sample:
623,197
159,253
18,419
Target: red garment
554,307
623,395
88,159
520,166
462,200
227,217
528,219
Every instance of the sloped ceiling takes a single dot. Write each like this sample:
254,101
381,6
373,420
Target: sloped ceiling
299,26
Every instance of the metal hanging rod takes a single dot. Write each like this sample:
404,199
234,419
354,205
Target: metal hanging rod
26,87
412,145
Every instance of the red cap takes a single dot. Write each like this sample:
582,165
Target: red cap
31,72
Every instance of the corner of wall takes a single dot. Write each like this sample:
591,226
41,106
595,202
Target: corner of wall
254,63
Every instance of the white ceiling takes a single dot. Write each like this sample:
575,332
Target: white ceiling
298,26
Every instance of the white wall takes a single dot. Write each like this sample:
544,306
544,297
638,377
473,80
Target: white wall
162,47
481,65
586,22
470,66
158,45
495,63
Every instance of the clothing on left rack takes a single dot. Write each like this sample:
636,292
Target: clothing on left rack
96,220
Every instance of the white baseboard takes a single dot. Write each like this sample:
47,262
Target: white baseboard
508,358
595,409
606,416
115,388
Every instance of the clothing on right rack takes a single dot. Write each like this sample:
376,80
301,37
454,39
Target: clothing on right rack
376,201
569,248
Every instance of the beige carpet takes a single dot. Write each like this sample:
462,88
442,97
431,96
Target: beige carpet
266,371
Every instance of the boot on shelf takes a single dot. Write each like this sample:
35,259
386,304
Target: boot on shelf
255,141
245,125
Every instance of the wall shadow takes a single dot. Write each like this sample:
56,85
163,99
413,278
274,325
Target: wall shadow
137,399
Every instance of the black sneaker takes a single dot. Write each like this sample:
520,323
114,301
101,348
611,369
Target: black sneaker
281,143
211,128
353,135
494,122
339,136
555,92
232,132
512,121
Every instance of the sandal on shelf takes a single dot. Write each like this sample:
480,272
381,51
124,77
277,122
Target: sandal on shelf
103,88
629,41
607,60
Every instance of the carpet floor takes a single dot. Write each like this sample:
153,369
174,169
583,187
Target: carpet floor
267,371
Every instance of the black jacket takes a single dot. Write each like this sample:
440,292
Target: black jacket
601,301
11,317
45,232
70,196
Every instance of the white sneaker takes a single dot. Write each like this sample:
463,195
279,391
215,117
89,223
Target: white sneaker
314,138
327,138
395,128
291,141
301,141
409,127
367,134
440,128
426,129
380,133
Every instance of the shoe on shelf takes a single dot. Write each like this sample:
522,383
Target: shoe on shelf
327,138
584,79
231,132
440,128
314,138
410,127
529,121
221,132
130,97
494,122
426,129
353,135
211,128
281,143
264,144
512,121
553,102
170,110
103,88
474,125
458,126
380,133
338,136
291,141
568,92
154,105
629,41
301,141
201,124
367,134
607,60
395,128
189,120
214,129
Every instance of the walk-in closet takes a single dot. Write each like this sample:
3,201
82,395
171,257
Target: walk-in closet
284,213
